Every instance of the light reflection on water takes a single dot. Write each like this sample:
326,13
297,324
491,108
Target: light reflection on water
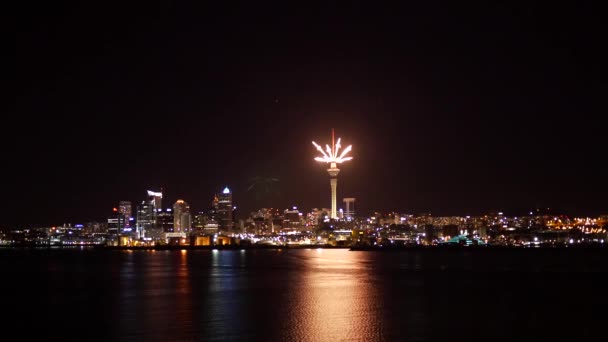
335,301
155,295
305,295
313,295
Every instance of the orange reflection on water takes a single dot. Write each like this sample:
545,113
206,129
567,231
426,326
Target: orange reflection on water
164,291
183,292
336,300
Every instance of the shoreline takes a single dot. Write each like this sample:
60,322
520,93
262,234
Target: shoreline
278,247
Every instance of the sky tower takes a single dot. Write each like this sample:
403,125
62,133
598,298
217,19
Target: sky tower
331,156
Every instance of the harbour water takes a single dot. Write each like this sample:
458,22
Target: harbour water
304,295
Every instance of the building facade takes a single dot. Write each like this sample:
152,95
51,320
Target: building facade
182,222
224,210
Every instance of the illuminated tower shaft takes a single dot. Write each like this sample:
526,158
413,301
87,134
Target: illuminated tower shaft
332,155
333,182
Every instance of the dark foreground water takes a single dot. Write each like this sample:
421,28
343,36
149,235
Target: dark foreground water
304,295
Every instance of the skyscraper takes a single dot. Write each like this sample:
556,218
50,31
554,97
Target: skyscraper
349,212
186,222
147,223
155,198
146,220
224,210
126,213
165,222
181,217
292,218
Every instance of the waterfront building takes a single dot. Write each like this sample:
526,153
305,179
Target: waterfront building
349,210
182,221
166,221
224,210
126,218
147,226
292,219
155,199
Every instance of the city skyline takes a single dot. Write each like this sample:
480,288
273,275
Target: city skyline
454,109
343,208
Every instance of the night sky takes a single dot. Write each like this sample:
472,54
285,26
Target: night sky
452,109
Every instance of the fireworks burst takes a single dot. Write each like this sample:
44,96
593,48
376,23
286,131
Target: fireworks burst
332,153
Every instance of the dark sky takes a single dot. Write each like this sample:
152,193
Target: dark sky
452,108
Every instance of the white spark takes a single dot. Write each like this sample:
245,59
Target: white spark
332,155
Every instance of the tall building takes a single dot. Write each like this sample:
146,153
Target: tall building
198,221
292,218
224,210
333,157
349,210
147,225
155,198
206,221
115,223
126,213
124,207
215,203
186,222
165,222
182,221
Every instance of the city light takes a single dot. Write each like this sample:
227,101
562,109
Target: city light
155,194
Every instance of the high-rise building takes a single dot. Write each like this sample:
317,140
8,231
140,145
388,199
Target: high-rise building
115,223
224,210
155,198
124,207
166,221
292,218
198,221
215,203
349,211
181,217
145,220
206,221
186,222
147,225
126,213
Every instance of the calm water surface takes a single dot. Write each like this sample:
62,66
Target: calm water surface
304,295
